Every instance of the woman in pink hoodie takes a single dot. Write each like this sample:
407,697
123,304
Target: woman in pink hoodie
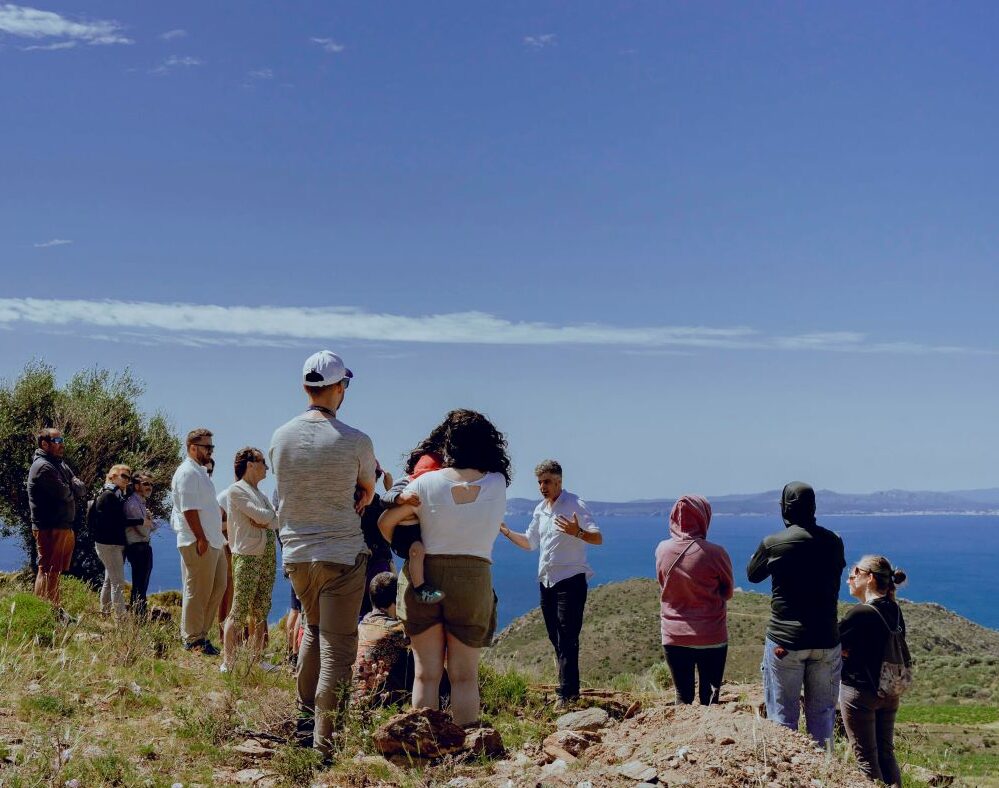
695,578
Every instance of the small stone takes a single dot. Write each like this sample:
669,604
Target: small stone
34,687
253,747
590,719
555,768
716,768
683,752
727,741
459,782
817,783
484,741
624,751
584,784
249,776
636,770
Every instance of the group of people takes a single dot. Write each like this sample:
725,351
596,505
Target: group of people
806,650
442,518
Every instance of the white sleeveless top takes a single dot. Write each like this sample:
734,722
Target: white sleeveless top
451,528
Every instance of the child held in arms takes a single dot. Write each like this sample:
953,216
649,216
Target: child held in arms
407,541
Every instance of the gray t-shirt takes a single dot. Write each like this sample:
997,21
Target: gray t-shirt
317,461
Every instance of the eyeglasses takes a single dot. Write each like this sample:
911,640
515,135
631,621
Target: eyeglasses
60,440
125,476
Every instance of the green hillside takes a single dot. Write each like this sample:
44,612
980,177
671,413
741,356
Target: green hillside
956,659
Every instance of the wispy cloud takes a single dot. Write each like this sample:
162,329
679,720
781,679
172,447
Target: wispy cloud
32,23
541,41
53,242
261,73
172,35
177,61
328,45
208,324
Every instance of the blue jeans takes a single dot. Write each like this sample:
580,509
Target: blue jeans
817,670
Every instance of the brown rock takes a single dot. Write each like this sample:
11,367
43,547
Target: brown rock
727,740
569,745
484,741
419,734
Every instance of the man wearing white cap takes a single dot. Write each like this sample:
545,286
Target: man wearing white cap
318,463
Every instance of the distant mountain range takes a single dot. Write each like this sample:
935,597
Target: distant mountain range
886,502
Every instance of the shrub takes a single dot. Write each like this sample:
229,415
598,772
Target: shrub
501,691
660,675
77,597
24,617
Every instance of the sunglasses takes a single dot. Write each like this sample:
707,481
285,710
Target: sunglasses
207,446
125,476
56,440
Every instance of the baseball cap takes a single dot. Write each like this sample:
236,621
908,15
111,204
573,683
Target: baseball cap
324,369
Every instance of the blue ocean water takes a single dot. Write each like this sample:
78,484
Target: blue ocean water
950,559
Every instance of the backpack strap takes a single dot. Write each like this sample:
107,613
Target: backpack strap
897,630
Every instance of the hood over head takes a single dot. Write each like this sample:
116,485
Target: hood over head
690,517
797,504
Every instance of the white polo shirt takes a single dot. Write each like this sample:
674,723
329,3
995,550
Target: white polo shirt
561,556
192,490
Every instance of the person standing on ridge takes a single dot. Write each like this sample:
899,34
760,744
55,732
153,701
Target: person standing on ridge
138,535
561,528
107,523
318,461
197,519
54,496
802,647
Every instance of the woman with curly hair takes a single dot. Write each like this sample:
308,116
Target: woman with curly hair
460,508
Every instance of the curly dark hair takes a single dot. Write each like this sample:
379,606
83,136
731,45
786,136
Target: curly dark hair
433,445
471,441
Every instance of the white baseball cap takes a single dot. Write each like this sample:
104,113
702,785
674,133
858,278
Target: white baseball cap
324,369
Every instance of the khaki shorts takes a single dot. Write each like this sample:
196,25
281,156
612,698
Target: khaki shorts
468,610
55,548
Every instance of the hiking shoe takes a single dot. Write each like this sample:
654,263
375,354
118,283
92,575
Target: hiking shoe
194,645
428,595
208,649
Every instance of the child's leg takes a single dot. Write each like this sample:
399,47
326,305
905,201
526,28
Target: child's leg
416,555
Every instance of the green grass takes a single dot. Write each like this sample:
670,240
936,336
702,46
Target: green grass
25,618
948,714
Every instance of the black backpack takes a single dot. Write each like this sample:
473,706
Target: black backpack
896,664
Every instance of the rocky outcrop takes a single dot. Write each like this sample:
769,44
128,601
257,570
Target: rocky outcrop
418,736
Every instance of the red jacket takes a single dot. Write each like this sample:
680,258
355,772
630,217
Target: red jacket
695,577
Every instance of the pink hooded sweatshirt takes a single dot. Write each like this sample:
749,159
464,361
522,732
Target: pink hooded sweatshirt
695,577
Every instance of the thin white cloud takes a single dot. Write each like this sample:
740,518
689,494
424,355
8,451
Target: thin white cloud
177,61
172,35
261,73
540,41
53,242
50,47
33,23
328,45
207,324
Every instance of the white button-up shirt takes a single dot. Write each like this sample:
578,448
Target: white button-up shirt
562,555
192,490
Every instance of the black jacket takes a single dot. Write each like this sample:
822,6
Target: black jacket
109,517
54,493
864,636
806,562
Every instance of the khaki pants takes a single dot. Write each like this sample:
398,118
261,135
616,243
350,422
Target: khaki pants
331,601
204,578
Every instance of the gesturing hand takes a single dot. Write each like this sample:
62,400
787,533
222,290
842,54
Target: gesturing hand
567,526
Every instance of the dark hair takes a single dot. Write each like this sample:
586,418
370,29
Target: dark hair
471,441
243,458
45,434
548,466
885,577
196,434
433,444
383,588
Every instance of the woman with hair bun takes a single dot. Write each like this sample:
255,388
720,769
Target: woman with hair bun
869,718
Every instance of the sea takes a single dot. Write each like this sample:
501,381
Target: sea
952,560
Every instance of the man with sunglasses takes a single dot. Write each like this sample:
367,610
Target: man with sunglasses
318,461
197,519
55,496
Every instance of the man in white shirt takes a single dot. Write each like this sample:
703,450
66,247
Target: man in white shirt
560,528
197,519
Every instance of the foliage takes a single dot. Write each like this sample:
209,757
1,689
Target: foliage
25,618
501,691
98,412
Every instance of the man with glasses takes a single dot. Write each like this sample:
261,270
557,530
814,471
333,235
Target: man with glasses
55,496
197,519
318,461
138,538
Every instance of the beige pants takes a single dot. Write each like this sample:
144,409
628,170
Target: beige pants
204,578
331,602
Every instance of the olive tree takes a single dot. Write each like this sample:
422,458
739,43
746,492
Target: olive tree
98,413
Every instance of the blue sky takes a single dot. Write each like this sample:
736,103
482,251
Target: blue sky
681,247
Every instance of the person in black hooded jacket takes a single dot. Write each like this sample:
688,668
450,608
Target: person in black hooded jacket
805,562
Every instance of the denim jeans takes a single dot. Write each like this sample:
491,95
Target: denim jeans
817,671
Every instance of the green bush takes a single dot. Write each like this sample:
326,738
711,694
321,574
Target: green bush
660,675
501,691
24,617
77,597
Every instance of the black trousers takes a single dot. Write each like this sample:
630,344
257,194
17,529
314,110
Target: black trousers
562,606
140,556
710,666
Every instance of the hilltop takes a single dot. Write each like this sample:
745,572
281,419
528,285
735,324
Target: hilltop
884,502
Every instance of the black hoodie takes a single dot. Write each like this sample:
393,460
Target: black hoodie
806,562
